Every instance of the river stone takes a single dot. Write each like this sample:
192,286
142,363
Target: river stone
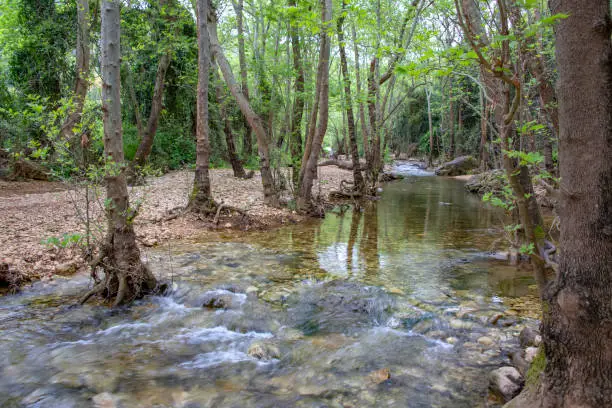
529,338
486,341
459,324
506,382
457,167
263,351
104,400
519,362
494,318
530,354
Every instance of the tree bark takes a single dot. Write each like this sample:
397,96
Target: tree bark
358,181
310,158
451,120
126,277
431,130
298,104
147,137
82,70
201,196
270,194
577,325
238,9
362,116
227,129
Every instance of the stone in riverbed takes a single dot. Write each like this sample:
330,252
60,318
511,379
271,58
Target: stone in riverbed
529,338
506,382
459,324
530,354
457,167
486,341
263,351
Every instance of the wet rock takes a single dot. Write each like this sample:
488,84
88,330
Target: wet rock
530,354
487,182
264,351
506,382
452,340
101,381
457,167
252,291
339,306
494,318
66,268
519,362
529,338
105,400
485,341
222,299
379,376
459,324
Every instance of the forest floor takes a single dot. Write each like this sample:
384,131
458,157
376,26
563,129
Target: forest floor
38,216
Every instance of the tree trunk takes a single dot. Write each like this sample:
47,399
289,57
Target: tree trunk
577,325
248,140
82,70
201,197
362,116
358,182
309,162
298,104
227,129
270,194
126,277
451,120
431,135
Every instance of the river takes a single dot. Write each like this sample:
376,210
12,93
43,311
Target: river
398,303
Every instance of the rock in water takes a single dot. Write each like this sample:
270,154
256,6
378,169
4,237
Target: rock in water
457,167
506,382
529,338
379,376
263,351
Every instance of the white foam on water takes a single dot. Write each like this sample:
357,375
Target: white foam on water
219,333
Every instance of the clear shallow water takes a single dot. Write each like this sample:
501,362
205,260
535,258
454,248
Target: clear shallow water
405,283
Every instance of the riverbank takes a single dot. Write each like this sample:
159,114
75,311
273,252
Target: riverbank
41,221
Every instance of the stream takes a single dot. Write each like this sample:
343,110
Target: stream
397,304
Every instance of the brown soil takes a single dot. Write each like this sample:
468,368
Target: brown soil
32,212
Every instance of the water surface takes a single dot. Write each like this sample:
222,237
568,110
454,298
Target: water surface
381,305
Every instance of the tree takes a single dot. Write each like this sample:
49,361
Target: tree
317,128
126,277
201,197
82,70
577,324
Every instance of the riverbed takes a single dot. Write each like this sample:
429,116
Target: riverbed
396,302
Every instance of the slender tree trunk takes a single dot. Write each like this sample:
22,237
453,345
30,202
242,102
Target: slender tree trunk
577,325
484,120
227,129
451,120
350,119
309,163
270,194
248,139
298,104
362,116
201,196
431,130
126,277
82,70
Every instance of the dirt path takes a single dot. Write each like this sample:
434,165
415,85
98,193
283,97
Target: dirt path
33,212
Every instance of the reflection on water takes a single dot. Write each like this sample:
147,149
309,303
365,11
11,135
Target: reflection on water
301,316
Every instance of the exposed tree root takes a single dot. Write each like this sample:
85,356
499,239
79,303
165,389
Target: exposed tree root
345,165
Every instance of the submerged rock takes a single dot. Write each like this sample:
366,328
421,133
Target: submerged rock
222,299
529,338
339,306
457,167
506,382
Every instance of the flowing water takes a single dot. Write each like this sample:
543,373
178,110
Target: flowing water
378,306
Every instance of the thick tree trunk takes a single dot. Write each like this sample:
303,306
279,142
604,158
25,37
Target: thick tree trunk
82,70
577,326
270,194
358,182
238,9
201,197
227,129
309,162
298,104
451,120
126,277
